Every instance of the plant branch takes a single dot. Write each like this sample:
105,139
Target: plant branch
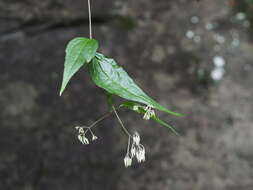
114,110
121,123
100,119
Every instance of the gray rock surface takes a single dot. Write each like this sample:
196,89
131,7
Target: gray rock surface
168,47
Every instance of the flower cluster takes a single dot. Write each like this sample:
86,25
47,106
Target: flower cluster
81,134
149,112
137,150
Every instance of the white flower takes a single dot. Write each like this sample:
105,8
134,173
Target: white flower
133,150
136,138
127,161
140,153
146,116
149,112
80,129
94,137
77,127
83,139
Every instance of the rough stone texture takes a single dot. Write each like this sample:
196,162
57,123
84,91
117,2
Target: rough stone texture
38,144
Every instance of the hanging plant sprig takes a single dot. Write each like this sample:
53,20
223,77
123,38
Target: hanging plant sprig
107,74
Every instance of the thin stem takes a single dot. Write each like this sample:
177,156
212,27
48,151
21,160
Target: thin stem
121,123
85,131
104,117
89,9
100,119
128,144
91,132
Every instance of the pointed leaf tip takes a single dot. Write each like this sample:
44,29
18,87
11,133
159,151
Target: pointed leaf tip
79,52
131,105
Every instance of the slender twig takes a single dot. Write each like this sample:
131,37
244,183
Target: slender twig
86,131
91,132
104,117
121,123
100,119
89,9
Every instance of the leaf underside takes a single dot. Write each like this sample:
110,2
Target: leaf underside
107,74
79,52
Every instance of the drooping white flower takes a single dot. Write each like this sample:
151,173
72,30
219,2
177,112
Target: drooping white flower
77,127
136,138
140,153
80,129
133,150
83,139
146,116
94,137
127,161
149,112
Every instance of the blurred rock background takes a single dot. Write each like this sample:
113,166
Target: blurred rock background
194,58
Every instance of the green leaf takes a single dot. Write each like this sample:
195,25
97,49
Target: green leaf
107,74
140,109
79,52
158,120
